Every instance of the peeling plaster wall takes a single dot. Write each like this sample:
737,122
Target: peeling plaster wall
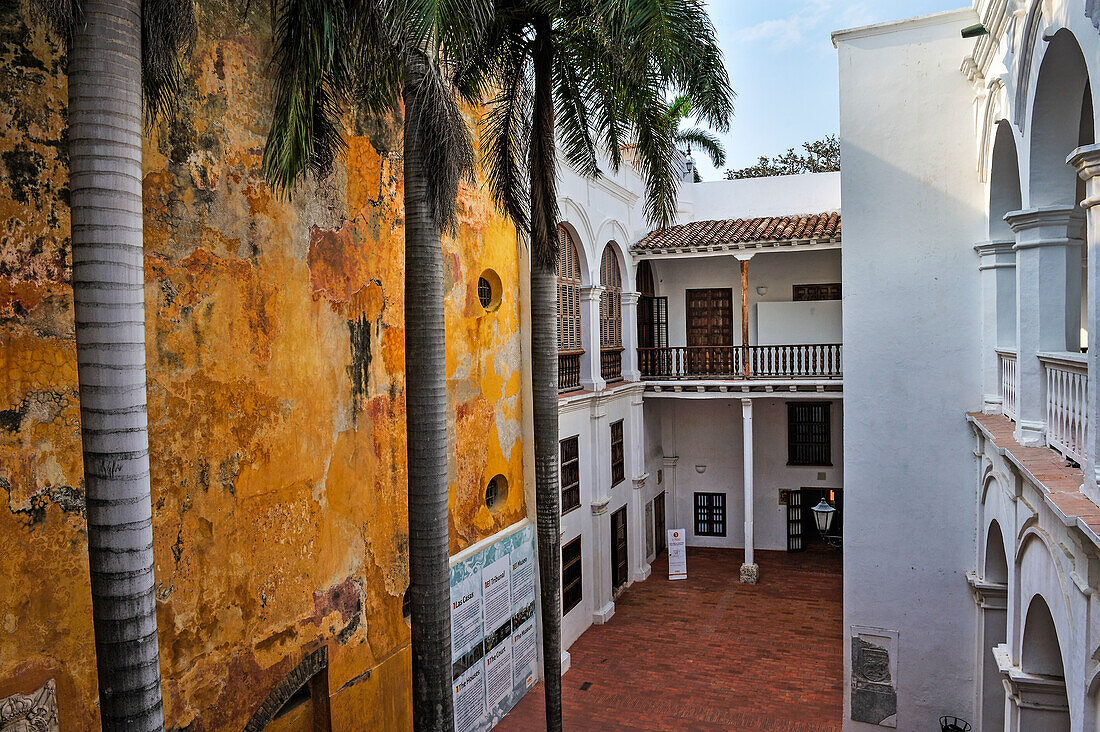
276,396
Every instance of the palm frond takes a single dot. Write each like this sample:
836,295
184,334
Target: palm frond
433,115
506,130
61,15
168,33
705,141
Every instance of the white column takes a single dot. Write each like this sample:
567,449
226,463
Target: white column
997,264
672,512
630,336
750,572
603,607
590,337
1048,304
638,558
1087,161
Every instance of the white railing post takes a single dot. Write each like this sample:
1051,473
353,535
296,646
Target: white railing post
1009,381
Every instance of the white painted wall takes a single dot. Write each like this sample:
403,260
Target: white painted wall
781,195
913,211
780,323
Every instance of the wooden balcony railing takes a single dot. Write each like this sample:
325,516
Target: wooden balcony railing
822,361
569,370
1067,380
1009,382
611,364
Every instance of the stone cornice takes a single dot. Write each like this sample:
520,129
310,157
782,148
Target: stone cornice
1086,160
639,481
599,506
629,298
996,246
988,595
591,292
1064,222
670,461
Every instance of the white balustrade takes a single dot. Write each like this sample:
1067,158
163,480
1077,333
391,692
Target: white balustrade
1009,382
1066,382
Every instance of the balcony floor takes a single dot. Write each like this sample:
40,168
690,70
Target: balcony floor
710,653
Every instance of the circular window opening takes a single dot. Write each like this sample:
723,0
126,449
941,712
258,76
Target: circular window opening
496,492
488,290
406,607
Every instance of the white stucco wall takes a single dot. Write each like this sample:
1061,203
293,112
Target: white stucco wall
913,211
780,195
780,323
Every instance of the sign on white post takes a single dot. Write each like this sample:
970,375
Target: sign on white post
677,555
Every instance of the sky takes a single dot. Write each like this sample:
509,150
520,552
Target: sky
783,67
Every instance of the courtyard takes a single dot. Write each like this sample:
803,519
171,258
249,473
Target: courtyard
710,653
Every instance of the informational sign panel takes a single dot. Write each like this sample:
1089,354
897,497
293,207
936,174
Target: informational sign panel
677,555
494,639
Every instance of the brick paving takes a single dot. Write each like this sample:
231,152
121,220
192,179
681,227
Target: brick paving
710,653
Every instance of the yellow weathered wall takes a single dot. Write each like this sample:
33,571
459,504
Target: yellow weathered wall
276,397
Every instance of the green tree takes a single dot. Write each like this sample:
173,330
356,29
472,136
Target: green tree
820,156
591,76
333,56
124,57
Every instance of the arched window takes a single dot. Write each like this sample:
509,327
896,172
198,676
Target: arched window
611,302
652,315
569,293
611,317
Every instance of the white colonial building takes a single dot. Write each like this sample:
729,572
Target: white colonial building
700,375
972,416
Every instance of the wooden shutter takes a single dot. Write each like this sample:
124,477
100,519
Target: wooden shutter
795,541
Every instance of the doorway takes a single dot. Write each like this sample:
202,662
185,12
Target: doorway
619,562
659,524
710,323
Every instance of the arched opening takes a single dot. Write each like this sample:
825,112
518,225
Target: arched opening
996,564
1004,196
1061,120
611,316
1041,655
993,628
570,346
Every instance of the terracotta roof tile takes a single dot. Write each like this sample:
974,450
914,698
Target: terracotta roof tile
738,232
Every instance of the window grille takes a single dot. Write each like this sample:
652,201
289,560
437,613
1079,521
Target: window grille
569,286
710,514
618,464
571,585
491,493
570,474
484,292
828,291
809,441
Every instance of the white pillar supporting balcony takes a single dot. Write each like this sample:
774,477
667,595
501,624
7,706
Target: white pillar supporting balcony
1087,161
638,559
590,337
603,605
997,264
750,571
630,336
1048,304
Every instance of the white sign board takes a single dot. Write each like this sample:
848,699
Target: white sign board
494,637
677,555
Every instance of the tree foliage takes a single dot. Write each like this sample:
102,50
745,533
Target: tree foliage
820,156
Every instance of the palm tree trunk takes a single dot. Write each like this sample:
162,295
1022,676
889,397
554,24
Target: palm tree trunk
109,308
426,426
544,365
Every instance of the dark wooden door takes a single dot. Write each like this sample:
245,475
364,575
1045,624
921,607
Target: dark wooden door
710,323
795,539
619,565
659,524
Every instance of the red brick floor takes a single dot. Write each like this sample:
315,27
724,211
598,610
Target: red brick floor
710,653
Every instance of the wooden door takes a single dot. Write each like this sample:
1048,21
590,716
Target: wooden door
710,323
795,539
619,565
659,524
